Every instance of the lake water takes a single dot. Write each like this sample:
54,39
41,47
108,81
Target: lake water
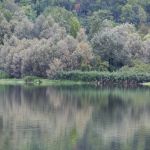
74,118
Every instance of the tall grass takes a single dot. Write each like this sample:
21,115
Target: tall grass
104,77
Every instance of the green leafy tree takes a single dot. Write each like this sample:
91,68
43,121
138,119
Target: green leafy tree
75,26
29,12
97,21
65,19
133,14
118,45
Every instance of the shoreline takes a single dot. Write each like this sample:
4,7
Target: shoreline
44,82
48,82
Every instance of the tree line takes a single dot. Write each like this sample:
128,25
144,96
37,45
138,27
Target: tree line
64,36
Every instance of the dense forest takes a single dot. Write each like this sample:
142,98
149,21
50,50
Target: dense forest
44,37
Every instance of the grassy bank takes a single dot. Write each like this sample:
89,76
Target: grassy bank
44,82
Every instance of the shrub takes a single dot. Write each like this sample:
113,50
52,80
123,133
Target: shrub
3,75
104,77
32,79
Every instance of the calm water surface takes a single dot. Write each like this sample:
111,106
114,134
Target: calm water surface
74,118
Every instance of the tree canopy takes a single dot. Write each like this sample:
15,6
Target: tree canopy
43,37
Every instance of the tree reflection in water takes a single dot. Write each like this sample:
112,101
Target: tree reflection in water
80,118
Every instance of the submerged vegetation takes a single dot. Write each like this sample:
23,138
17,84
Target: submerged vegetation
103,40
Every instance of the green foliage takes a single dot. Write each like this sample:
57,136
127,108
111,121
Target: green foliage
75,26
133,14
98,21
99,65
42,47
29,12
65,19
105,77
32,79
7,15
136,67
134,11
44,37
118,45
3,75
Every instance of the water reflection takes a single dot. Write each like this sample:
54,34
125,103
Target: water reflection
74,118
